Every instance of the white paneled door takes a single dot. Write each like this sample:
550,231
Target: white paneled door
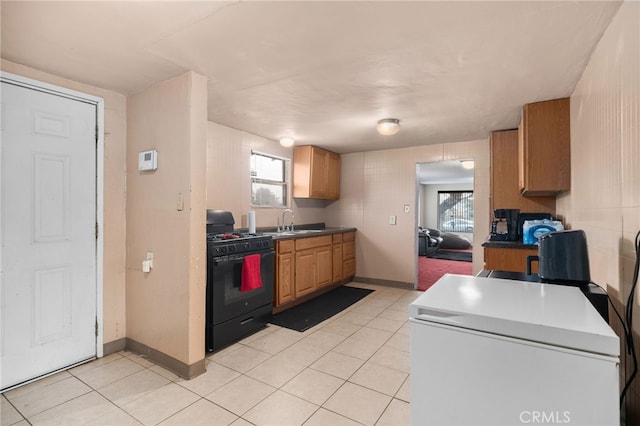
48,234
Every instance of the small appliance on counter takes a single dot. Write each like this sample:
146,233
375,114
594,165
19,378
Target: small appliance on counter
562,258
504,226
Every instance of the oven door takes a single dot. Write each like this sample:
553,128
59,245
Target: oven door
224,276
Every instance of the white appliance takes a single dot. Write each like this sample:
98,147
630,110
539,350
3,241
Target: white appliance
487,351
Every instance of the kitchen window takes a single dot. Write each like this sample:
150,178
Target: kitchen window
269,180
455,211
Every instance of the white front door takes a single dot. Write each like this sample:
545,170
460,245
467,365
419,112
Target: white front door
48,234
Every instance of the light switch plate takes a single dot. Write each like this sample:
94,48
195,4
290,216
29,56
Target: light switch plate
392,220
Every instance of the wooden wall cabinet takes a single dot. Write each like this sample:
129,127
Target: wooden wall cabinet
316,173
544,148
504,189
509,259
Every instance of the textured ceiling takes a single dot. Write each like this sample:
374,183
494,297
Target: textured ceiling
324,72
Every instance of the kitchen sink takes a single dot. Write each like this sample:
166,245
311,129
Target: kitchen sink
294,232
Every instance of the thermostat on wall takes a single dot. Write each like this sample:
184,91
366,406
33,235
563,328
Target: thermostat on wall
148,160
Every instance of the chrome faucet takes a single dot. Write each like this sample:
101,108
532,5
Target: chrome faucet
284,227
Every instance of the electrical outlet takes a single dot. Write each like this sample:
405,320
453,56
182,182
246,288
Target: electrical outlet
392,220
149,258
406,208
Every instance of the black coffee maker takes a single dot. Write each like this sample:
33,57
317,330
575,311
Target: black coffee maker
504,226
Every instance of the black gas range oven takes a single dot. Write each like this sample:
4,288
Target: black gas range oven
235,309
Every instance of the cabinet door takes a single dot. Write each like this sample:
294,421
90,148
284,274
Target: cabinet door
305,281
324,266
348,255
504,190
349,268
337,262
319,186
284,276
508,259
545,148
333,176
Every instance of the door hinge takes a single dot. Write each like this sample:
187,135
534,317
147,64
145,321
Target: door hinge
97,133
96,327
97,230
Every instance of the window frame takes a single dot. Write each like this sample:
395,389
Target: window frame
286,164
470,215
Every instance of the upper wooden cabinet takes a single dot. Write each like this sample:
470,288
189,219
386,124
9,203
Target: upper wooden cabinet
504,189
316,173
544,148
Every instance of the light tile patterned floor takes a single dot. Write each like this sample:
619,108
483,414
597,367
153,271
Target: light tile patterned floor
351,369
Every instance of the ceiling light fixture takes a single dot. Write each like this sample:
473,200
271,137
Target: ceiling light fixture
287,142
467,164
388,126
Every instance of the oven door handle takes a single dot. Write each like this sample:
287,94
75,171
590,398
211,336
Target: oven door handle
223,259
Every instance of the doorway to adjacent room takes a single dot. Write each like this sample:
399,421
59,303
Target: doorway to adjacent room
445,220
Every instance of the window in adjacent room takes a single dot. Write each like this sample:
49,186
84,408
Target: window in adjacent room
269,183
455,211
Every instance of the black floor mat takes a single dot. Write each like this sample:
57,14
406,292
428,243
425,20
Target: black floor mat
310,313
464,256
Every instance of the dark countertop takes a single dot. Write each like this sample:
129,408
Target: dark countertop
305,232
508,244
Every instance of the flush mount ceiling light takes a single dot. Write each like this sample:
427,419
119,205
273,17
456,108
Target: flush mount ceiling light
388,126
467,164
287,142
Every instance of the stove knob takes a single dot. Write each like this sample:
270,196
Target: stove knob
223,249
232,249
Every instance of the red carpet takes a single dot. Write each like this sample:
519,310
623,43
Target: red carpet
430,270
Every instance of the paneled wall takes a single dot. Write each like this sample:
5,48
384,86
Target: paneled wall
377,184
229,179
605,163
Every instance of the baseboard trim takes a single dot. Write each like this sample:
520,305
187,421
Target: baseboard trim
387,283
186,371
114,346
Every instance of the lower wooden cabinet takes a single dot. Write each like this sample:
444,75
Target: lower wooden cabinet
305,278
509,259
284,272
337,257
305,266
348,255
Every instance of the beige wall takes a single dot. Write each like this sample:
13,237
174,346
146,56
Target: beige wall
229,180
374,185
377,184
165,307
604,199
115,122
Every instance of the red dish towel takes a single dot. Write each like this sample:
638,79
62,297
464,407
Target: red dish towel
251,273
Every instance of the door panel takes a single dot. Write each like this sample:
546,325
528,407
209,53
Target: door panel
48,217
